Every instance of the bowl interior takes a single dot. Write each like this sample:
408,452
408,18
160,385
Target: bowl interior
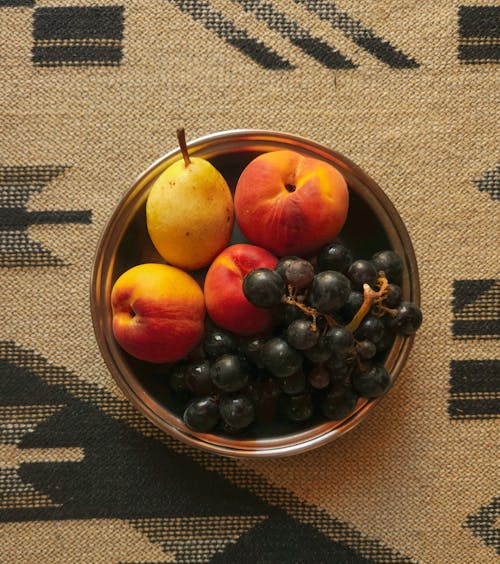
372,225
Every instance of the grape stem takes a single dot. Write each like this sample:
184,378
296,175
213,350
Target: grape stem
381,309
371,297
307,310
310,311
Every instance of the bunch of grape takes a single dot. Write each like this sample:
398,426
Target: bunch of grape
335,320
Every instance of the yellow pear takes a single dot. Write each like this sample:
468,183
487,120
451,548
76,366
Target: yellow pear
189,211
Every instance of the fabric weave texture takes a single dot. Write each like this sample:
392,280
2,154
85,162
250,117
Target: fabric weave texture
91,94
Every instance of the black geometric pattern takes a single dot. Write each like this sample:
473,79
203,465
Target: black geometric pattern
297,35
276,20
474,389
485,524
490,183
92,35
475,384
225,29
476,309
479,28
178,491
16,3
363,37
78,36
17,185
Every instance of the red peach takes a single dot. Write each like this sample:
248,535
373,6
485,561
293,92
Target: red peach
158,312
226,304
289,203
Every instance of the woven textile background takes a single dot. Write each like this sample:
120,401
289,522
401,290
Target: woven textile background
90,94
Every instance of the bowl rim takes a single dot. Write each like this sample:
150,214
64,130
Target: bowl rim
315,436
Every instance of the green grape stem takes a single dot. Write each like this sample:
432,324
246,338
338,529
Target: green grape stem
371,297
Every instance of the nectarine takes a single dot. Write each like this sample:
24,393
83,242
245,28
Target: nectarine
226,304
289,203
158,312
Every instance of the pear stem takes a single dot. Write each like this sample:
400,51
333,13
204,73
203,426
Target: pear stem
181,138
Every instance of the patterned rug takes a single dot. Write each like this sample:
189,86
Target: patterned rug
91,94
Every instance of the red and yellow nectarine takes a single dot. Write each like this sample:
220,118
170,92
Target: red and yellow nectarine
289,203
158,312
226,304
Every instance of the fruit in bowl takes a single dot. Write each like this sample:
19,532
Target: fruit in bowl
158,312
295,350
189,211
226,303
289,203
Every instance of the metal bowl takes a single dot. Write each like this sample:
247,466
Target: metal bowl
373,224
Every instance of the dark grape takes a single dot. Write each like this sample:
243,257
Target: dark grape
177,378
301,334
338,403
280,358
237,411
364,364
371,328
198,378
202,414
196,354
340,340
294,384
300,408
387,340
362,272
319,377
247,366
390,264
283,263
217,342
407,319
263,287
227,374
265,394
334,257
371,383
393,297
299,273
366,349
329,291
320,352
235,381
351,307
289,313
252,350
339,369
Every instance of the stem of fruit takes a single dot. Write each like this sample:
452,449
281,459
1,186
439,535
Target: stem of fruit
384,309
181,138
307,310
310,311
370,297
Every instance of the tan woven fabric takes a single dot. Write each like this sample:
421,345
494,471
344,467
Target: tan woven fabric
419,477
